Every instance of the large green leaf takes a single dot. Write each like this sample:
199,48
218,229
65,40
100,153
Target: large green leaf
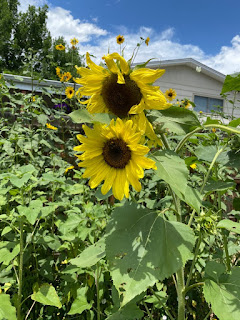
231,84
222,291
142,247
7,311
47,295
83,116
91,255
229,225
176,119
172,169
80,303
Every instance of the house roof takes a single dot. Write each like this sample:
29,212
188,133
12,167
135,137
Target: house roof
25,83
190,62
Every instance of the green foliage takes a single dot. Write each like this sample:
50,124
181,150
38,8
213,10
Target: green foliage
142,248
222,290
7,311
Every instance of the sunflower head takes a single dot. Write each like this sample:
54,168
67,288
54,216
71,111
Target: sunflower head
147,41
118,89
58,71
69,92
74,42
66,76
114,155
120,39
170,94
60,47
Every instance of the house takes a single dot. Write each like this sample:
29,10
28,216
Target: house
197,82
203,88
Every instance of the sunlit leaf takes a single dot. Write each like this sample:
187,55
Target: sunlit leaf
142,247
47,295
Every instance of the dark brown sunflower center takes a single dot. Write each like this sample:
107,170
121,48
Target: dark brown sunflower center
119,98
116,153
170,94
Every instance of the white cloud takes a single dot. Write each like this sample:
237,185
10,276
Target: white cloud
228,59
162,45
62,23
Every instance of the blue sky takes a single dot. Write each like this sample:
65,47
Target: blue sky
208,31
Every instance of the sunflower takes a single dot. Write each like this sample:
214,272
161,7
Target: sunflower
49,126
69,92
66,76
118,89
120,39
113,154
147,41
58,72
170,94
74,42
60,47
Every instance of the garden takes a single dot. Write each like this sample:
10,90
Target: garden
117,201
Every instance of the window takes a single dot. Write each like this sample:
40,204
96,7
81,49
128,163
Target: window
206,104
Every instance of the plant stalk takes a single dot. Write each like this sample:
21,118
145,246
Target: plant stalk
20,274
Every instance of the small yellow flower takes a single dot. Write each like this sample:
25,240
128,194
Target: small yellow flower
58,71
214,130
147,41
170,94
60,47
66,77
49,126
120,39
33,98
69,168
74,42
69,92
200,112
193,166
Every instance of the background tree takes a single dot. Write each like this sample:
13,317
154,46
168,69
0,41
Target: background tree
8,20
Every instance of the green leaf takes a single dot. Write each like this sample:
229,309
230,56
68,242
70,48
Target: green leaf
229,225
19,182
219,186
47,295
231,84
222,291
80,303
42,119
172,169
83,116
212,121
8,251
91,255
7,311
32,212
191,196
142,247
176,119
207,153
234,123
129,312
